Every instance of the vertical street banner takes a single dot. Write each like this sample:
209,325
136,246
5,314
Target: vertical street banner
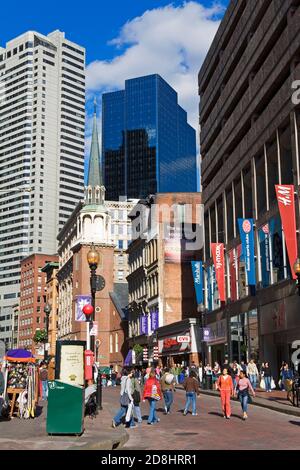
80,302
286,204
247,239
197,268
217,250
143,324
154,320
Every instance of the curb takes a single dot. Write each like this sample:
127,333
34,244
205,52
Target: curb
293,411
109,443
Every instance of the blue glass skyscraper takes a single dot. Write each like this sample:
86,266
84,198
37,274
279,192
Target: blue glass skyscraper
147,144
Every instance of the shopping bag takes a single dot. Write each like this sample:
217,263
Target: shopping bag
262,384
273,385
129,412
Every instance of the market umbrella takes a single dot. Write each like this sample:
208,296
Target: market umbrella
19,355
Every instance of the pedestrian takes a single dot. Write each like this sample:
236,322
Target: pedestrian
194,367
267,376
215,375
152,393
44,380
113,378
243,387
167,387
287,378
244,367
136,394
208,375
234,373
225,385
252,373
126,399
2,390
191,386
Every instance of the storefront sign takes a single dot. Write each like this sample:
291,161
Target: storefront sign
183,339
247,239
80,302
143,324
286,204
217,250
197,268
154,320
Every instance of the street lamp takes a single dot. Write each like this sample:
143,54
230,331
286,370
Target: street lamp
93,259
201,309
297,272
47,310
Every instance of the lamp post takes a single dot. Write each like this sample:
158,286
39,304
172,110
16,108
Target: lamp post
297,272
201,309
47,310
93,258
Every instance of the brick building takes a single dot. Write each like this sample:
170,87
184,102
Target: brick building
51,297
162,302
32,302
249,143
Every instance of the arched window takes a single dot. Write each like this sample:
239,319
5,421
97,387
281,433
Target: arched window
111,343
116,342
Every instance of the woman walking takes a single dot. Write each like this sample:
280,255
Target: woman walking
243,387
126,399
267,376
191,386
152,393
225,385
216,375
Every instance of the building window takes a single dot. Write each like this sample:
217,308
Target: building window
111,344
116,342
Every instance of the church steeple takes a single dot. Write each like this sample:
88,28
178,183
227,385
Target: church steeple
95,190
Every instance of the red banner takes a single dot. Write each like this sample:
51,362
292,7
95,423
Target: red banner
218,257
286,203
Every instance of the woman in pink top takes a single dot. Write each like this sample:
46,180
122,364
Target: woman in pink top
243,386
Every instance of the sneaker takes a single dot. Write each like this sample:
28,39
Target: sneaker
227,417
150,424
184,413
113,424
195,414
166,410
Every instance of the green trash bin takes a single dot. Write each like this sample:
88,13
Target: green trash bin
65,414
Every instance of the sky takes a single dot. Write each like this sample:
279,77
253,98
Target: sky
126,39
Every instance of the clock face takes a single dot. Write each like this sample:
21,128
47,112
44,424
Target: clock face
100,283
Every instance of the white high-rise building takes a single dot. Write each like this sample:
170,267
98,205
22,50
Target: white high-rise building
42,119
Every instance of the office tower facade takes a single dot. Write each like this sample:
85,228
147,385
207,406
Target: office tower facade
147,144
250,131
42,118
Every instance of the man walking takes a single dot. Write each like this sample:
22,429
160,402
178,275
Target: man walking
167,387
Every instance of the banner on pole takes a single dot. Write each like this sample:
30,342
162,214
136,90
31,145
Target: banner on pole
197,268
286,204
247,239
218,257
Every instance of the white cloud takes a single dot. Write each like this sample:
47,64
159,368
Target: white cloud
171,41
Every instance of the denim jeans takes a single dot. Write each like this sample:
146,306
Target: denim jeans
267,383
113,382
253,380
45,389
190,400
122,412
152,418
244,402
168,397
137,411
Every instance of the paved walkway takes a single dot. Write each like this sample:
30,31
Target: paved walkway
30,434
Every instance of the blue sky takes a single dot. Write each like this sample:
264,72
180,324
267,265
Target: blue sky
126,39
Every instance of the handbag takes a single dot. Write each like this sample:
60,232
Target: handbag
262,384
129,412
273,385
124,399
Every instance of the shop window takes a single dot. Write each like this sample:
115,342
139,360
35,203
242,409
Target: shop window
244,336
261,184
286,160
229,206
273,175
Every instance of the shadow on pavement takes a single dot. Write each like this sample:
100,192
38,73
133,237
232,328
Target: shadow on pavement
297,423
